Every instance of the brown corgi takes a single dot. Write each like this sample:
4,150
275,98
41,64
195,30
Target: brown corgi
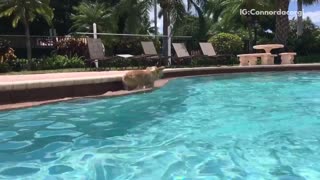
141,79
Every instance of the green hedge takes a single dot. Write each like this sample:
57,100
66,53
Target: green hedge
49,63
314,58
126,45
4,67
216,61
195,62
225,43
62,62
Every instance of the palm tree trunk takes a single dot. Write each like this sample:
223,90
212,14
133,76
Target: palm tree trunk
282,22
166,24
250,39
28,38
300,19
250,21
155,18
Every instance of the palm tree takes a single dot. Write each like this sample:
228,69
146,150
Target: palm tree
214,9
26,11
174,10
170,12
87,13
300,16
282,21
132,15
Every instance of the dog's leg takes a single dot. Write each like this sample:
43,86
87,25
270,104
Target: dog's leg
125,86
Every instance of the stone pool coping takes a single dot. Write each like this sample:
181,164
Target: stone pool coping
33,81
170,73
40,89
109,94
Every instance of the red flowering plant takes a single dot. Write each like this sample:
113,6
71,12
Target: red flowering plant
6,53
72,47
6,56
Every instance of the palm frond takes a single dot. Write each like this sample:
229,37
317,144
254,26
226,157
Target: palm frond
28,9
87,13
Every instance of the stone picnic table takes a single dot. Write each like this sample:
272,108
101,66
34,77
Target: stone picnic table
251,59
268,47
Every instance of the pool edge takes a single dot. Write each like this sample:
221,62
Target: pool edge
115,88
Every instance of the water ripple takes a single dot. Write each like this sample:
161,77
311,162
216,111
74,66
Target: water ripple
242,126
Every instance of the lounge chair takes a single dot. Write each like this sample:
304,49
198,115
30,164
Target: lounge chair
96,53
207,49
209,52
149,58
151,54
149,48
182,54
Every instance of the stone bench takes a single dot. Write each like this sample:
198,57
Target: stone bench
288,57
268,59
252,59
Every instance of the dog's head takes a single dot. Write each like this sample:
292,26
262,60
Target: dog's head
156,71
159,71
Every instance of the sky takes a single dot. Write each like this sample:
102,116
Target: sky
312,11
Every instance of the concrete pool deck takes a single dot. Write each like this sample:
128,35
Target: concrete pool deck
19,91
30,81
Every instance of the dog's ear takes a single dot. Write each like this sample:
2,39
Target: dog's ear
159,71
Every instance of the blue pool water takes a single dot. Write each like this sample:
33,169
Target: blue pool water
241,126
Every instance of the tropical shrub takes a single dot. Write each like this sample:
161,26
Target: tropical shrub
72,47
314,58
61,62
4,67
308,42
25,64
225,43
49,63
127,45
88,12
6,52
7,56
219,60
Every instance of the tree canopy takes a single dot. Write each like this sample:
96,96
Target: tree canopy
198,18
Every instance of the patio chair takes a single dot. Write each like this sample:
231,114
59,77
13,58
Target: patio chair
151,54
182,54
207,49
139,60
209,52
96,53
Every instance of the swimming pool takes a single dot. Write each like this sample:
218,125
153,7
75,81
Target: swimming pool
238,126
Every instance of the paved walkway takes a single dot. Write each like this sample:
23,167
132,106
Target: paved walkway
58,76
21,82
78,75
